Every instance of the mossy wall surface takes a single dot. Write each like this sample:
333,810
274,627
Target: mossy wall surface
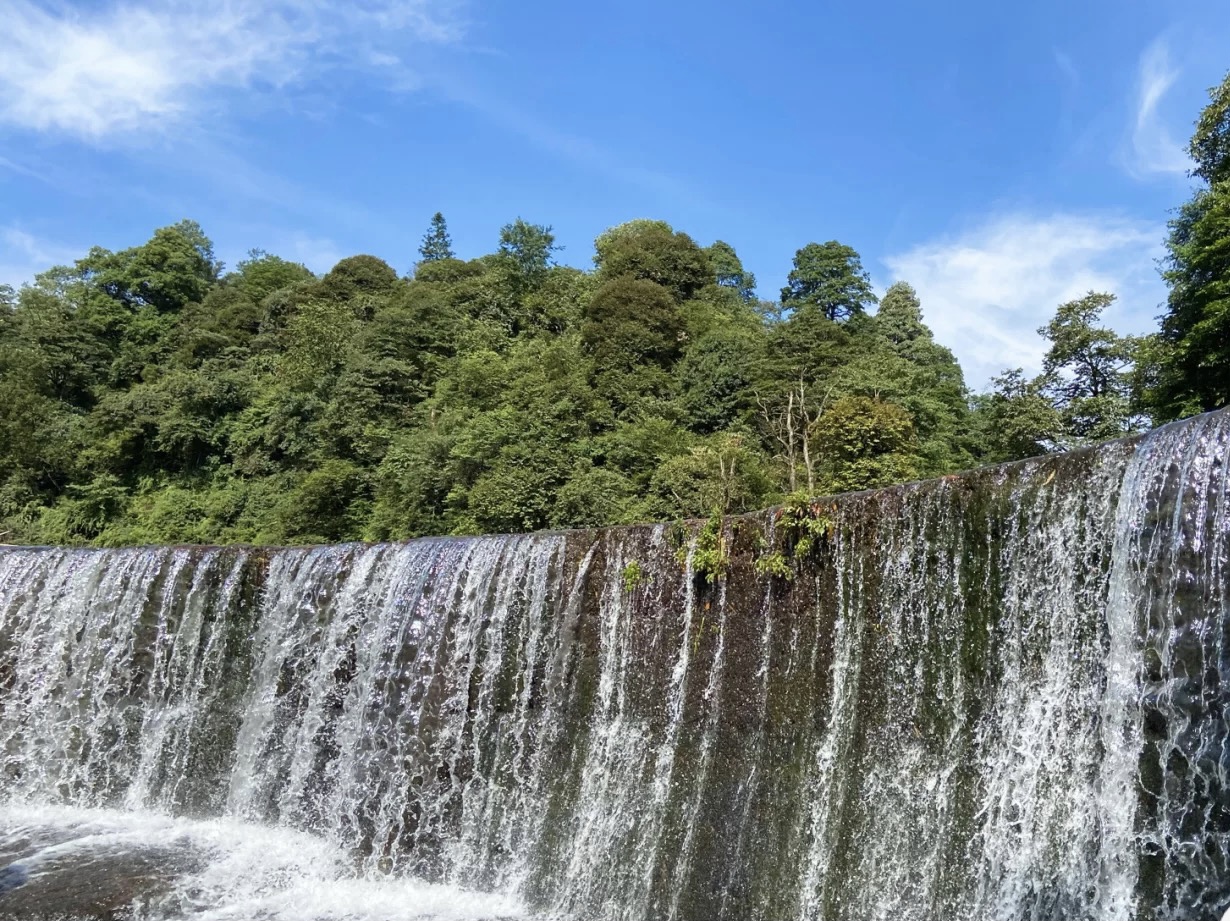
995,695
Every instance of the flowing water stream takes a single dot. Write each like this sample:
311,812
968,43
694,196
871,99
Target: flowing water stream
992,696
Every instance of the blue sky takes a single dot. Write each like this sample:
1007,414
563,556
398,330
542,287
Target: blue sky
1000,157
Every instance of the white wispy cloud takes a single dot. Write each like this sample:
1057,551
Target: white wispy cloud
618,166
1153,149
23,255
1067,67
318,253
131,66
986,291
20,169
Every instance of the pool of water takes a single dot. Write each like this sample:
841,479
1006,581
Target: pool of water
81,865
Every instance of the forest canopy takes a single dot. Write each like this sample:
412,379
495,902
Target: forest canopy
151,395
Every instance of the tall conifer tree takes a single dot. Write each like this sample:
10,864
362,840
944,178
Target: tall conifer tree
437,244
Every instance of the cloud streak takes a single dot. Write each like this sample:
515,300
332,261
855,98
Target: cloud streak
573,148
986,291
23,255
1153,149
132,66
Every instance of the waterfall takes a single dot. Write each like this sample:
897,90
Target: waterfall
1000,695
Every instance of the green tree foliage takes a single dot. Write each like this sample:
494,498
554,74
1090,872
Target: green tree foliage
653,251
723,473
148,396
261,274
899,320
359,280
864,443
828,278
809,345
1086,371
1017,419
1192,355
729,272
717,378
1210,144
527,248
906,366
175,268
629,323
1087,391
437,244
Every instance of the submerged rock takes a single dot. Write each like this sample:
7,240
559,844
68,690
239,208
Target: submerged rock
84,872
12,876
101,865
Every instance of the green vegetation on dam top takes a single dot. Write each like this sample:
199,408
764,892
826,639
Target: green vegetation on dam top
151,400
147,396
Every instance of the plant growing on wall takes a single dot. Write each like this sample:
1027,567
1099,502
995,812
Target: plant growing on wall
633,576
774,563
805,523
710,552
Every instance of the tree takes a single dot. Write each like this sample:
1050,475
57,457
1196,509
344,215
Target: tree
791,422
653,251
863,443
413,482
175,267
829,278
437,244
594,496
261,274
716,377
729,272
328,504
1084,394
47,341
630,322
359,276
1086,371
318,337
723,473
1017,419
528,248
1210,144
899,318
808,345
147,397
1193,352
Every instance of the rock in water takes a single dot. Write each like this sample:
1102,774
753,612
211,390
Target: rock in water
13,876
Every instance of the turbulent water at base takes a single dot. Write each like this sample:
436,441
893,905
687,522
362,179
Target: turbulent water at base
993,696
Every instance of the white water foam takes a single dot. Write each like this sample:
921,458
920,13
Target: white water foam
239,871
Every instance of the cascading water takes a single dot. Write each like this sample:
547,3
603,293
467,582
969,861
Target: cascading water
993,696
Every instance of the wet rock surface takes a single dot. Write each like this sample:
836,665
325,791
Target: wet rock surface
65,874
997,695
101,865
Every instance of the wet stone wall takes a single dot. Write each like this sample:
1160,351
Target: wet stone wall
997,695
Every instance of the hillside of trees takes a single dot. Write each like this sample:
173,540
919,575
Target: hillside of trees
150,395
